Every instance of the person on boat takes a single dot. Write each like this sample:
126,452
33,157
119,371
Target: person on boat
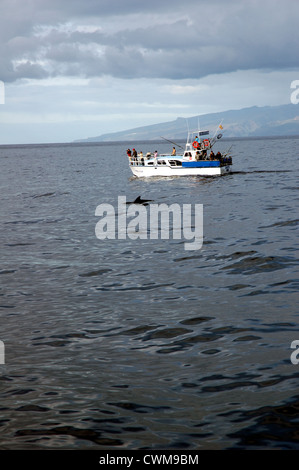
140,158
134,154
129,153
155,154
218,156
173,151
196,143
212,155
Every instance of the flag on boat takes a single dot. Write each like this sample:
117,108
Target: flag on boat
220,127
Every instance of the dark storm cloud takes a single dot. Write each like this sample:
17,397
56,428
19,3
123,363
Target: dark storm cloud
189,40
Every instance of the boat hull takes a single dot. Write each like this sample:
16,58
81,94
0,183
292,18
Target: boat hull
151,171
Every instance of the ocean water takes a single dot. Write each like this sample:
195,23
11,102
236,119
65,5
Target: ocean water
141,344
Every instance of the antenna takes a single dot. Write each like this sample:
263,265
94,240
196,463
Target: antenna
188,130
198,127
187,125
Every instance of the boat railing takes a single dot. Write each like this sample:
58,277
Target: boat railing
136,162
139,161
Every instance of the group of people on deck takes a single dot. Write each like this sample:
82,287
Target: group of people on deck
215,157
133,156
139,157
200,155
203,155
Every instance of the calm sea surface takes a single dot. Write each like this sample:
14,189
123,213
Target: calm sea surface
141,344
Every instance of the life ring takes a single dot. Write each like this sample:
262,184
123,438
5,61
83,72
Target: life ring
195,144
206,142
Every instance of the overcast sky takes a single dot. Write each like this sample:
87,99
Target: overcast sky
80,68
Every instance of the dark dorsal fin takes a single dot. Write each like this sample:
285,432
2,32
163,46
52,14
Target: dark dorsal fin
138,200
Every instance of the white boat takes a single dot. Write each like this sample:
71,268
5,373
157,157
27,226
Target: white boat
197,159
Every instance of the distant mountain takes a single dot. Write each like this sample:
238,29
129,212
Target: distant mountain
247,122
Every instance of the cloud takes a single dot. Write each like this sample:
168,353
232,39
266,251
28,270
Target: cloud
63,109
79,68
125,39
